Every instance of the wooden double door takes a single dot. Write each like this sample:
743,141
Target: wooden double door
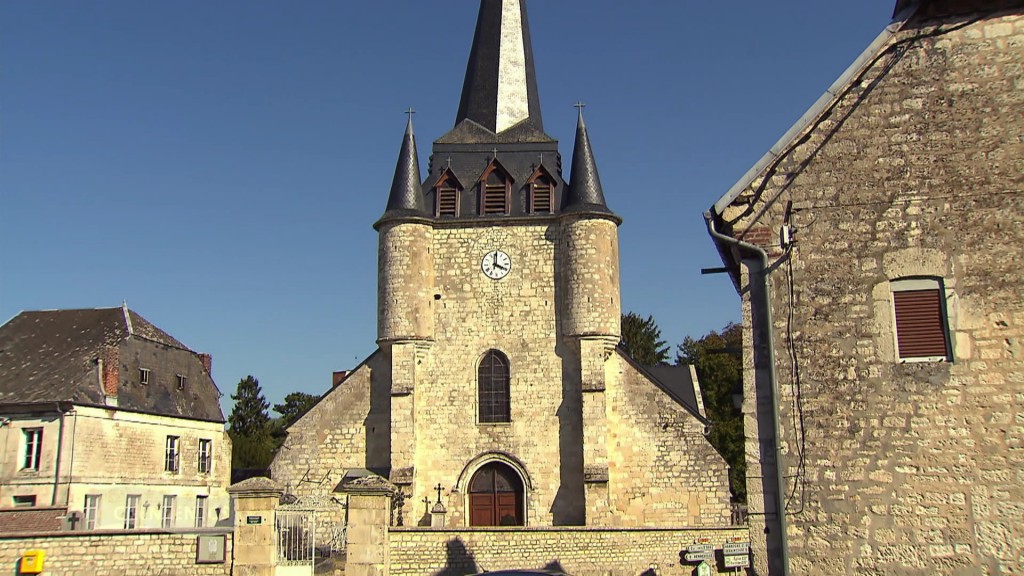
496,497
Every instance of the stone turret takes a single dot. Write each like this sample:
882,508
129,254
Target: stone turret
406,265
591,251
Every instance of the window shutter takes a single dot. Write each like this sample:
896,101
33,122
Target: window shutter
542,193
920,329
494,199
447,201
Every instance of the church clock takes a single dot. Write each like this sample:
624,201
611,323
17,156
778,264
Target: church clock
496,264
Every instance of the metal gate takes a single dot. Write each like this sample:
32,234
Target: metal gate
308,542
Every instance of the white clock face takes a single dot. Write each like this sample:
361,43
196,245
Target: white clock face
496,264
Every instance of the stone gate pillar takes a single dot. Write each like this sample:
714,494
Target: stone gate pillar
369,519
255,501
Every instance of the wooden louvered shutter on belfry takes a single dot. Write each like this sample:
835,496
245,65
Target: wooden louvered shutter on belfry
920,329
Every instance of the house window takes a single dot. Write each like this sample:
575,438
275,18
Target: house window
181,382
493,385
201,511
167,511
171,454
92,511
24,501
921,325
131,511
205,456
33,448
143,376
542,193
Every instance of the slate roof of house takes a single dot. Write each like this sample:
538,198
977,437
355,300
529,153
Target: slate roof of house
31,520
51,356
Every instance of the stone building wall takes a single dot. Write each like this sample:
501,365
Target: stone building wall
662,471
898,467
579,551
116,553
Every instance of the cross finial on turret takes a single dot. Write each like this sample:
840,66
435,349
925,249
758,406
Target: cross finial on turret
579,106
410,111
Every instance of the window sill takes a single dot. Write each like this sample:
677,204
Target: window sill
495,424
925,359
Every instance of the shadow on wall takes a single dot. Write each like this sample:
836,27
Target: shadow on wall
458,560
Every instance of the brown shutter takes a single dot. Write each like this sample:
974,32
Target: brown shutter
447,201
541,202
920,330
494,199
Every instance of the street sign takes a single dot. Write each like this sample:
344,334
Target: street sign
700,548
735,548
737,561
704,569
699,556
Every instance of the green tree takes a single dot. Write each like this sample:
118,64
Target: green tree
295,404
642,340
249,426
716,357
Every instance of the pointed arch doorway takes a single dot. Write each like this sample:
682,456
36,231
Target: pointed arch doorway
496,496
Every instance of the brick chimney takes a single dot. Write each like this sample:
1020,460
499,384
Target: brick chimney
338,376
110,372
207,361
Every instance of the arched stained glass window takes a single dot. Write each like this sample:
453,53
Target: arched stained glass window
493,386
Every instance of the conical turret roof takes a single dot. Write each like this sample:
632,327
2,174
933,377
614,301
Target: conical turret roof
406,197
585,193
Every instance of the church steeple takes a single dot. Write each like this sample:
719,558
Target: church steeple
585,193
500,90
406,197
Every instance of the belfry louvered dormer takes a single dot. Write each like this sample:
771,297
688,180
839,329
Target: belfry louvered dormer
541,191
495,190
447,193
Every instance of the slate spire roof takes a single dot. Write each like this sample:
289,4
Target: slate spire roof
585,193
500,89
406,197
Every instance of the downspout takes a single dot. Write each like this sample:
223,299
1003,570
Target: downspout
71,461
60,450
780,502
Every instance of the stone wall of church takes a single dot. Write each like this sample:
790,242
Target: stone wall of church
329,439
405,282
662,471
590,277
890,466
516,315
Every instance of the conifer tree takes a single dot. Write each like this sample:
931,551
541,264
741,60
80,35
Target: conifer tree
641,338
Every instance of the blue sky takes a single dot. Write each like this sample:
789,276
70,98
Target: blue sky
219,164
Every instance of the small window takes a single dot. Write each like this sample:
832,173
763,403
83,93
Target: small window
493,386
92,511
167,511
201,511
205,456
921,326
171,454
144,376
131,511
33,453
24,501
181,382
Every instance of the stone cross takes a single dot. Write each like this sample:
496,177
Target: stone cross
439,488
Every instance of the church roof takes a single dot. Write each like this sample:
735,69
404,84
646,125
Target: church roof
499,95
51,356
406,197
585,193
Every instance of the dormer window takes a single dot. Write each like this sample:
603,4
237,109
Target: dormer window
542,192
495,185
447,193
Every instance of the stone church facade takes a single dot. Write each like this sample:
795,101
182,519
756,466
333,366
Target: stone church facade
498,388
877,251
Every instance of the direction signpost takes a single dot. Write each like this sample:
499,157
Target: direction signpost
736,554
